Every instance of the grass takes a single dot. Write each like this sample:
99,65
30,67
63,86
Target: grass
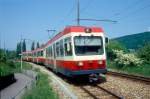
42,90
10,67
143,70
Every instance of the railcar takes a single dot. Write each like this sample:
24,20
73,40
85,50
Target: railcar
77,50
27,56
37,56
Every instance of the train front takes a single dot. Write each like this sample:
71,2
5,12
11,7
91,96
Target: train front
89,57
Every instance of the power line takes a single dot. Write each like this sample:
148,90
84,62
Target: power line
126,9
88,4
134,12
104,20
68,14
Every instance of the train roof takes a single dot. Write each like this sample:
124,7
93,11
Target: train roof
74,29
38,49
67,30
26,52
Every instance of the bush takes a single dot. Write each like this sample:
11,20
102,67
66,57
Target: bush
126,59
114,45
144,53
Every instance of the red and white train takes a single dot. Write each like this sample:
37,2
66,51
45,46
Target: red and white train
77,50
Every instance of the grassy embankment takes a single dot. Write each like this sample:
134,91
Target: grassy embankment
42,90
143,70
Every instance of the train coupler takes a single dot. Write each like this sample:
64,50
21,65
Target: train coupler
96,78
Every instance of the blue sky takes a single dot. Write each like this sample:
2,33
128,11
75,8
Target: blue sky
31,18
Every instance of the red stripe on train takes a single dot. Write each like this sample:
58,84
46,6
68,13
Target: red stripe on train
73,65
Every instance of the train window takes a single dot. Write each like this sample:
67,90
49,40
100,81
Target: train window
50,51
38,54
88,45
68,47
41,54
46,52
34,54
61,48
57,49
54,50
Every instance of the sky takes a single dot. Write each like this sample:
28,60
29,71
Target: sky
30,19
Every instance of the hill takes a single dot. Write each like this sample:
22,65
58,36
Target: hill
134,41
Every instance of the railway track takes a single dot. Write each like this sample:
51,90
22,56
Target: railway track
140,78
98,92
114,88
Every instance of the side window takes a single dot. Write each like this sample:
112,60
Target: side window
50,49
54,50
57,49
38,53
41,53
68,46
61,48
34,54
47,52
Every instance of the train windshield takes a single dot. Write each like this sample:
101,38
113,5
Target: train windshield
88,45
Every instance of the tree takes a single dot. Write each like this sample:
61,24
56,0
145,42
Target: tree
23,46
144,53
18,49
38,45
32,46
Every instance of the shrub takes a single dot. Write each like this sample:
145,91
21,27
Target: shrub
114,45
144,53
126,59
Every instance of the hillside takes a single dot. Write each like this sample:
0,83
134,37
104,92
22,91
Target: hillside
134,41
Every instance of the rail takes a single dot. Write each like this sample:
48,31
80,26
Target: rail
141,78
112,93
101,88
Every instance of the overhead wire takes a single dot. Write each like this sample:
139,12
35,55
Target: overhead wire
134,12
62,20
126,9
88,4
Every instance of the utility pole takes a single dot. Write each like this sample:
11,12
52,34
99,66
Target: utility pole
4,47
21,51
78,13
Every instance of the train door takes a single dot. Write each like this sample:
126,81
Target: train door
54,57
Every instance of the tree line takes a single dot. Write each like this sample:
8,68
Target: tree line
21,47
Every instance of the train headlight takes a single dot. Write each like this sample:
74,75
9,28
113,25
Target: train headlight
80,64
100,62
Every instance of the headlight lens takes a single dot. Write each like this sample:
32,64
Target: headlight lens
80,63
100,62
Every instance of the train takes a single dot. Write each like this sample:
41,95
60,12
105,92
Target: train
73,52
